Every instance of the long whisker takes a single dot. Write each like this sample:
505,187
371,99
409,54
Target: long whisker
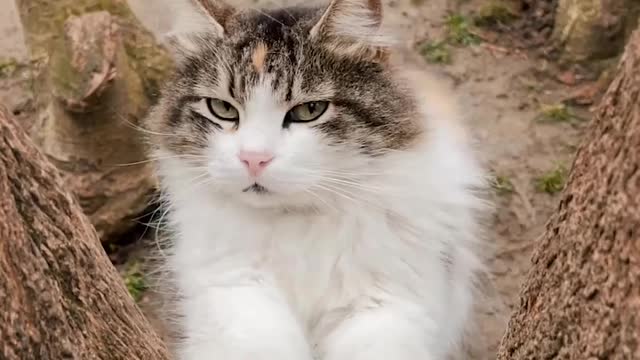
354,184
346,193
337,192
320,170
159,227
140,128
204,182
153,159
312,193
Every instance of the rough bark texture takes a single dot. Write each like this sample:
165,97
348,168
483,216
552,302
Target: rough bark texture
60,297
593,29
95,73
582,296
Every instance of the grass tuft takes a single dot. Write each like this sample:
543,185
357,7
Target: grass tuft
135,281
436,52
556,113
553,181
502,185
8,67
459,31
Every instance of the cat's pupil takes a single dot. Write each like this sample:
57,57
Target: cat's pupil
312,108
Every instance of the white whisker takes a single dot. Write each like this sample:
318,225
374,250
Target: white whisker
141,129
154,159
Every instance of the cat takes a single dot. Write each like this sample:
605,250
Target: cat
325,201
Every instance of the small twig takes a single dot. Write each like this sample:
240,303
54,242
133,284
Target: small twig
493,49
496,48
481,35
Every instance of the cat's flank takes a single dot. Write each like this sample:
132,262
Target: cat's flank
322,199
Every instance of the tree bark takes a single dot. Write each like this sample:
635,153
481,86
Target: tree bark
581,299
60,297
588,30
96,70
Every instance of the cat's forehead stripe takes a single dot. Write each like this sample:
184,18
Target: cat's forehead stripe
259,56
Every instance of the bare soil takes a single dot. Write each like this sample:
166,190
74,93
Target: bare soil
506,94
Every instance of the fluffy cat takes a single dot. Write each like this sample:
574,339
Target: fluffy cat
323,198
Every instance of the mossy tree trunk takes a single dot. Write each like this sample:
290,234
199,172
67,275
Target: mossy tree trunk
60,297
581,299
96,71
587,30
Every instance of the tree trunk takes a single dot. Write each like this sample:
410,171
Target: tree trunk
582,296
593,29
60,297
96,72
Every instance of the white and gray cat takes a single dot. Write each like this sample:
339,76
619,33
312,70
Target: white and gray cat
323,198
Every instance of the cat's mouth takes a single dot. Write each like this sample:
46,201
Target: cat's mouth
256,189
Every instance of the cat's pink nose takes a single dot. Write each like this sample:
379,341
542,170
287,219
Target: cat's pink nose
255,162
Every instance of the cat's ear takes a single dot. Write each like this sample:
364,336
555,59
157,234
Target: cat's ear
352,26
192,20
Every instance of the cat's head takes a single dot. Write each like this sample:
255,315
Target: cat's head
282,107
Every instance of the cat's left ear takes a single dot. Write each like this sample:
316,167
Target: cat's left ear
352,26
194,19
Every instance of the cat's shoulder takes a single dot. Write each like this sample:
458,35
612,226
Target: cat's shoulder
436,98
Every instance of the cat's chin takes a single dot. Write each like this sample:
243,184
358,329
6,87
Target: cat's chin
262,198
258,198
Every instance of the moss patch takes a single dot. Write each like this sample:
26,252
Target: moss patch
495,12
43,21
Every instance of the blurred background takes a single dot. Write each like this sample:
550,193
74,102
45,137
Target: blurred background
527,73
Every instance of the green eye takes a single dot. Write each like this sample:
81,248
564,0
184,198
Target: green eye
308,111
222,110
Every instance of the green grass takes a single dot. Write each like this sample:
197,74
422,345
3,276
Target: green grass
8,66
553,181
502,185
436,52
135,281
495,12
459,31
555,113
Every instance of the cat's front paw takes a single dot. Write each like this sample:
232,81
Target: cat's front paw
381,334
247,351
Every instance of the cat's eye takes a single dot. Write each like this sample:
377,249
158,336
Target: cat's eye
308,111
222,110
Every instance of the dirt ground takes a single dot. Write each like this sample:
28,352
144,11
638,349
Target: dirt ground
509,97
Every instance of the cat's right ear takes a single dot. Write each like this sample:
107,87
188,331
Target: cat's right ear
354,27
192,20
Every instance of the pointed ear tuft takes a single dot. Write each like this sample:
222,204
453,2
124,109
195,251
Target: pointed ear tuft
217,11
352,25
193,19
